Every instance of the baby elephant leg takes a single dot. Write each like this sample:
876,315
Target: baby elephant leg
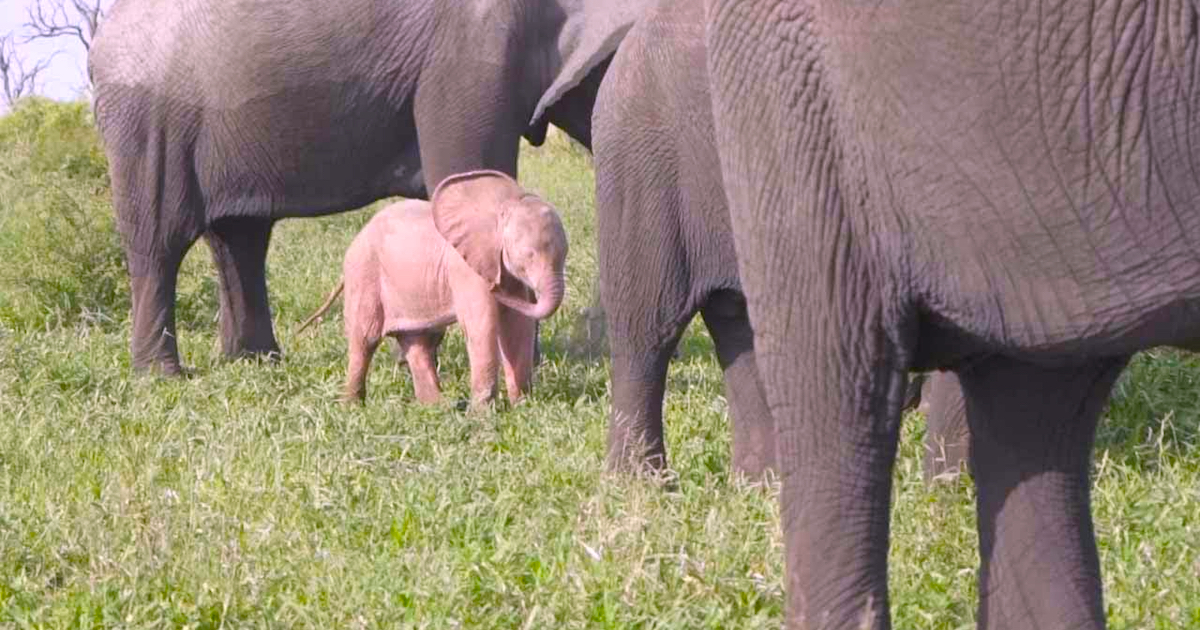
364,331
479,325
362,348
420,352
518,336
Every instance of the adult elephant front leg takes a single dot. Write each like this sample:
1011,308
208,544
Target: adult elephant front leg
639,380
1031,457
152,281
834,325
837,419
647,314
647,300
469,121
239,249
158,224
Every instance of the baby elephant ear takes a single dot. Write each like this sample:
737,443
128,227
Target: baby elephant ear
466,211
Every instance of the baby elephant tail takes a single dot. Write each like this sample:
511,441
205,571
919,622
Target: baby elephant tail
324,307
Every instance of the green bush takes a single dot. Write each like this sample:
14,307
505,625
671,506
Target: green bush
60,256
41,136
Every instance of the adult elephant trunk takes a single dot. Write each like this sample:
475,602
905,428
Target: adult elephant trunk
549,297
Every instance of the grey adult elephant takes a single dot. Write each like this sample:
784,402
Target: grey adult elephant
1006,192
665,246
220,118
665,242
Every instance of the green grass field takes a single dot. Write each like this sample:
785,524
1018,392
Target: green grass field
248,497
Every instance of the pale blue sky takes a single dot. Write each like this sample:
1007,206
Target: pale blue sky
67,74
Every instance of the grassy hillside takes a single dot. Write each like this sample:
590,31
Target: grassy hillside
247,497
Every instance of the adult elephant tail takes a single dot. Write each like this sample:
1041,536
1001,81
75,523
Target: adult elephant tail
324,307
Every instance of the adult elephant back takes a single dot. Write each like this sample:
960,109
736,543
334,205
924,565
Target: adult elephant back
220,118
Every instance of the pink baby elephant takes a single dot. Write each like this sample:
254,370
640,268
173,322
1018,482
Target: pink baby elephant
478,253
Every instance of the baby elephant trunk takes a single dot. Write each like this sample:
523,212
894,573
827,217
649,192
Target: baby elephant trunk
549,297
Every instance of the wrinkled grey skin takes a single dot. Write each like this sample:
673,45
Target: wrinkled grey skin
220,118
665,249
1006,192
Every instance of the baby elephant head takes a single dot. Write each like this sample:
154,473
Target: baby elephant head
496,226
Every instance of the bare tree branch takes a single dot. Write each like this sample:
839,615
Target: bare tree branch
51,19
17,80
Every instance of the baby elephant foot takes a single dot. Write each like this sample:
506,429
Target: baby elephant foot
481,404
353,396
483,393
429,398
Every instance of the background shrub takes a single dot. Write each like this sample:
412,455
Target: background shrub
42,136
60,256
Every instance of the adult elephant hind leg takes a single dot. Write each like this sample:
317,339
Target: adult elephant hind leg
753,428
239,249
635,427
947,438
152,285
1032,430
159,219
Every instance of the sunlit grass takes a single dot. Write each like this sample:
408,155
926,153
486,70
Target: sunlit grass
246,496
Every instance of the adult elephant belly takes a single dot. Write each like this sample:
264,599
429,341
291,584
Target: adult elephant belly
307,152
1054,329
1106,280
1072,237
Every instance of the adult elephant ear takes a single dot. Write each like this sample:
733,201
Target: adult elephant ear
466,211
589,33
